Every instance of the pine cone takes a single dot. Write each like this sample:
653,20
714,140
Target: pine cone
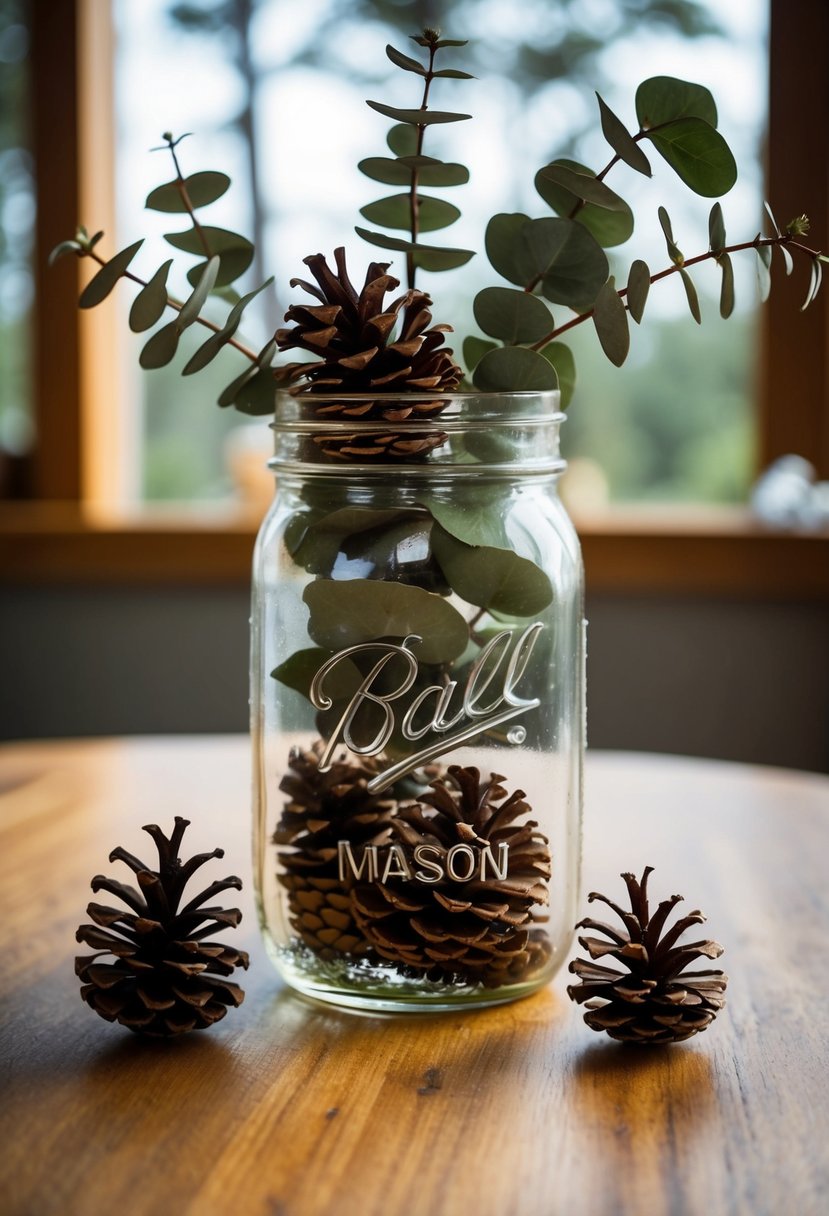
166,977
654,1002
476,931
325,808
367,347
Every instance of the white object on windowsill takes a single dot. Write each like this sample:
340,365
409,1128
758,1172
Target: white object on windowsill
788,496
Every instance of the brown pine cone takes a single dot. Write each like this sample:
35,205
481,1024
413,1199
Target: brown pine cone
166,978
481,930
324,808
367,347
655,1000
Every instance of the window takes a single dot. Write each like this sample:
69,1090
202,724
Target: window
79,461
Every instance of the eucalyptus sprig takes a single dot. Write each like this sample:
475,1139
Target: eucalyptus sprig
412,211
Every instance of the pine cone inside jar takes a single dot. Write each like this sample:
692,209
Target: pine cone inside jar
368,348
166,978
323,809
473,920
654,999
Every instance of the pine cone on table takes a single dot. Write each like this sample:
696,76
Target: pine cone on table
654,1000
368,347
480,931
324,808
166,979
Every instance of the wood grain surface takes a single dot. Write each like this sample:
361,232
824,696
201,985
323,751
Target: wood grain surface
288,1108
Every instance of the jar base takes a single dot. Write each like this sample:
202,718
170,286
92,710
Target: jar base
360,987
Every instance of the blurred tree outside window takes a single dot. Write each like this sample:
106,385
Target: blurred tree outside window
17,213
274,94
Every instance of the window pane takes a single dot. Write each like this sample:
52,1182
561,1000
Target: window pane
16,235
274,94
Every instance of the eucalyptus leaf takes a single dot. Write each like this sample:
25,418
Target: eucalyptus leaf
474,518
161,347
611,322
430,172
317,546
148,306
341,681
514,316
815,281
727,285
418,118
621,140
430,257
256,396
228,394
763,270
453,74
573,191
193,305
698,154
514,369
495,579
209,349
674,252
474,350
663,99
561,358
202,189
770,214
787,259
506,249
402,139
691,295
61,251
235,252
99,287
716,228
638,286
349,612
572,265
405,61
395,212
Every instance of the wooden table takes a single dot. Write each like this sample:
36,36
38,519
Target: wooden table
291,1109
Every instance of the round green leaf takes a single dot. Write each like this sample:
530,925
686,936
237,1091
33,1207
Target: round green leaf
235,252
352,611
698,154
394,212
561,358
572,264
202,189
621,140
506,249
572,189
475,517
402,139
496,579
514,369
419,118
298,672
513,316
257,395
398,172
664,98
149,304
98,288
161,348
638,285
611,322
474,349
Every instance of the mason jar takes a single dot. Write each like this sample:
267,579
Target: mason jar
417,700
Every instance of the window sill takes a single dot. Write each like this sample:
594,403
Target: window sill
631,550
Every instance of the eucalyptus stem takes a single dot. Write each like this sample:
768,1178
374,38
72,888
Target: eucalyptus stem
177,305
414,201
185,197
785,238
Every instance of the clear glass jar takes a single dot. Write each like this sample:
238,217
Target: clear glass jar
417,701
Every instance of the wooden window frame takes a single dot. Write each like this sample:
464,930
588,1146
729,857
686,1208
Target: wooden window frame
67,533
